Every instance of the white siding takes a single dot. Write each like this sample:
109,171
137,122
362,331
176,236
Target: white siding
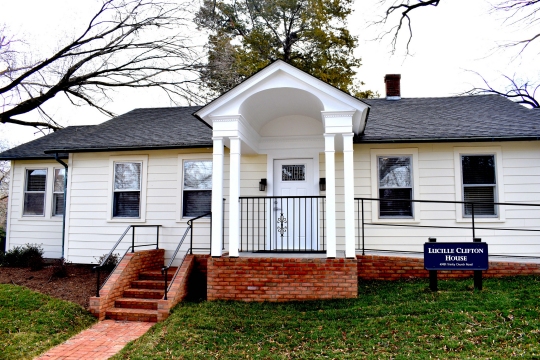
520,165
41,230
92,234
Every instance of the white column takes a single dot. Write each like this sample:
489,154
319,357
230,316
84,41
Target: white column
329,153
348,182
234,194
217,197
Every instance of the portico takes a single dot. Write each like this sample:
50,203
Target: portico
292,118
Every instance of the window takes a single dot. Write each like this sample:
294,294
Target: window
395,182
127,189
34,192
479,184
197,188
58,192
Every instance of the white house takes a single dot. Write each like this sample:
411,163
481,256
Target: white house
291,157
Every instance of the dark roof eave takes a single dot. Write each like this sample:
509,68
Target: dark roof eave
443,140
62,155
128,148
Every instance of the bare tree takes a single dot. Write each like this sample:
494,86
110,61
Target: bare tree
4,189
521,91
523,13
126,44
403,9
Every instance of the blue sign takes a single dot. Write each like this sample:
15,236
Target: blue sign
456,256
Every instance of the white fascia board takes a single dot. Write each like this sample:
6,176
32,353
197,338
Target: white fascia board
314,84
338,122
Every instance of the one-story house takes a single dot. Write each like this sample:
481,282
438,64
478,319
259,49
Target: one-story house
298,162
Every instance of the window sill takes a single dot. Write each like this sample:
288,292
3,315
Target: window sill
395,221
39,218
480,220
126,220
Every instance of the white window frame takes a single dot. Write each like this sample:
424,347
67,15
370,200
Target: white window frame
24,192
499,186
143,159
53,193
180,186
398,152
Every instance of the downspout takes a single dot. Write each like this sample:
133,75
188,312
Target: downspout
65,201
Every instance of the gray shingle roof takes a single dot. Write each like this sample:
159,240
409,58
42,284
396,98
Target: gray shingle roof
151,128
461,118
35,149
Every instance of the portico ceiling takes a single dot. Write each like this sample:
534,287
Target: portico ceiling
267,105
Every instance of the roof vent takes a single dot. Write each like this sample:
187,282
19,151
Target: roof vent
393,87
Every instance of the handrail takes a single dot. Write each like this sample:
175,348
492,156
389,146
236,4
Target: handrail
97,268
165,269
473,227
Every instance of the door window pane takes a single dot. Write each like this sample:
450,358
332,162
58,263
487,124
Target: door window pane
293,172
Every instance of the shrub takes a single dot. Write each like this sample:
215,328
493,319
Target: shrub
111,262
2,241
60,268
29,255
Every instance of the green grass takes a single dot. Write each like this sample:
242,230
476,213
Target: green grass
31,323
388,320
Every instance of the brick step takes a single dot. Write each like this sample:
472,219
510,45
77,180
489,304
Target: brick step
144,293
134,303
132,314
148,284
155,274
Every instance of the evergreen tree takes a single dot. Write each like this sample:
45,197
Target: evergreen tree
247,35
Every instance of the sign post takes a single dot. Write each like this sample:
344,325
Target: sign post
432,273
456,256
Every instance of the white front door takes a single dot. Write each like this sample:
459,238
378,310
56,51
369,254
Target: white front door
294,215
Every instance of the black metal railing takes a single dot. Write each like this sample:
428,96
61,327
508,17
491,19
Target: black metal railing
469,214
282,224
132,248
189,229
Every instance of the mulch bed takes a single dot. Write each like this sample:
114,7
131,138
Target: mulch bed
77,287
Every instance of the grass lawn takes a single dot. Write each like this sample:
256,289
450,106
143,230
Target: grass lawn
31,323
388,320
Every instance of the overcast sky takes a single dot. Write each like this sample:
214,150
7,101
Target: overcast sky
449,42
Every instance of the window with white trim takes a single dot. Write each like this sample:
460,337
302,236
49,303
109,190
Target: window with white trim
395,182
34,192
127,189
197,188
479,184
58,192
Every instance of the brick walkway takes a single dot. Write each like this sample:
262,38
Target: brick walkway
101,341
